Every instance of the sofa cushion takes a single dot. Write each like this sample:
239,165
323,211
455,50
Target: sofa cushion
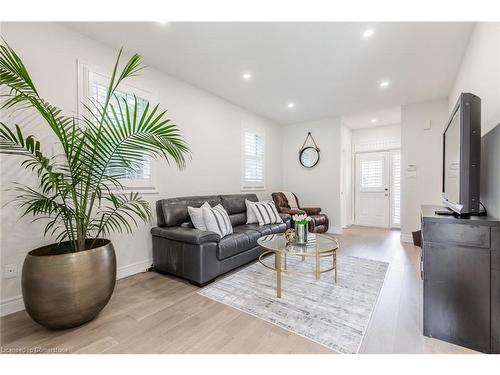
174,211
277,228
238,219
264,230
235,203
236,243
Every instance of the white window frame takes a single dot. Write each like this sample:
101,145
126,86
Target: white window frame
89,74
247,185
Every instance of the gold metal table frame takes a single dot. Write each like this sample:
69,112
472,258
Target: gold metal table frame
281,254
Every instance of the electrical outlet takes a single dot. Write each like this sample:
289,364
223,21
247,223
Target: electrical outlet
10,271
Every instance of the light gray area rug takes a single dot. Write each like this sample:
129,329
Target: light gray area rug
333,315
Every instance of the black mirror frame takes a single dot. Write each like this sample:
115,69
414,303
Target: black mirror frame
300,156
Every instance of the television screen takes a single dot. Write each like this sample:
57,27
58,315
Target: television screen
452,160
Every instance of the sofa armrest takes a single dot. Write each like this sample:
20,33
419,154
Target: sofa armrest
311,210
189,235
285,217
290,211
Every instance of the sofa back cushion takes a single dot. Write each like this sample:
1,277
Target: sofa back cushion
235,206
173,212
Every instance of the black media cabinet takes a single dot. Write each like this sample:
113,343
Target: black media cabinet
461,274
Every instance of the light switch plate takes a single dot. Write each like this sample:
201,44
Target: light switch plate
427,125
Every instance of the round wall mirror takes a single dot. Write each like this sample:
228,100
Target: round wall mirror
309,157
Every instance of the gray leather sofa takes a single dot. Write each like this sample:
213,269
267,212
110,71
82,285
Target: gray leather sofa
200,256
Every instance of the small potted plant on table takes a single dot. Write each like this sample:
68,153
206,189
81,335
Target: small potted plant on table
301,223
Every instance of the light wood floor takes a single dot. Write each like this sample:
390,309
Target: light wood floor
152,313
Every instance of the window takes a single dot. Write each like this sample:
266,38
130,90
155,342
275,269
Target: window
396,188
253,160
94,85
372,175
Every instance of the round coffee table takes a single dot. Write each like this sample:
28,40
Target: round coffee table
318,246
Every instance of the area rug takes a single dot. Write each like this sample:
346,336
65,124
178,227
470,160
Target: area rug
333,315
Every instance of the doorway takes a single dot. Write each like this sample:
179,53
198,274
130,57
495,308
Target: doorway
377,198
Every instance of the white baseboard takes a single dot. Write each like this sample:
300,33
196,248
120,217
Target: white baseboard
15,304
133,268
11,305
405,237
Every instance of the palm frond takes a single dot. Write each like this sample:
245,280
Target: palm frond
50,173
77,189
120,211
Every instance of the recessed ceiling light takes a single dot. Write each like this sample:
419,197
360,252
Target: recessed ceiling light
373,120
163,22
291,105
384,84
368,33
247,76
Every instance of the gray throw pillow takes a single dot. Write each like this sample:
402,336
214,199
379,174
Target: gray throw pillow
196,215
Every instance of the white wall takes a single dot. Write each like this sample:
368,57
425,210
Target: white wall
367,135
422,148
479,73
211,126
318,186
346,185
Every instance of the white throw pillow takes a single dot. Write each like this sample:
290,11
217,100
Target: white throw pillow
251,218
266,213
196,215
217,220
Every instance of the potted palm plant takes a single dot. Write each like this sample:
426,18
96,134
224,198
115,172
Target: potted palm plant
68,282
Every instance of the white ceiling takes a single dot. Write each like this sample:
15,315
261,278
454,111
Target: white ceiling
326,69
385,116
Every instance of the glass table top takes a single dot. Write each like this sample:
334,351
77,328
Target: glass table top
316,243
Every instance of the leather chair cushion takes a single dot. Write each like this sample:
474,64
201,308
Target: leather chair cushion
319,219
236,243
319,223
320,229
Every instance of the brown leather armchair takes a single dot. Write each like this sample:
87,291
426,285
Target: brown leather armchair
319,222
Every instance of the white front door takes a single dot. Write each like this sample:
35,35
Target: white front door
372,199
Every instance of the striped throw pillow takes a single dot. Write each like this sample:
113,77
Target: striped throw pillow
266,213
217,220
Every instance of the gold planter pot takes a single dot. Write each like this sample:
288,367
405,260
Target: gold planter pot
64,289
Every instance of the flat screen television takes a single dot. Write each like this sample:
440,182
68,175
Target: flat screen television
462,156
